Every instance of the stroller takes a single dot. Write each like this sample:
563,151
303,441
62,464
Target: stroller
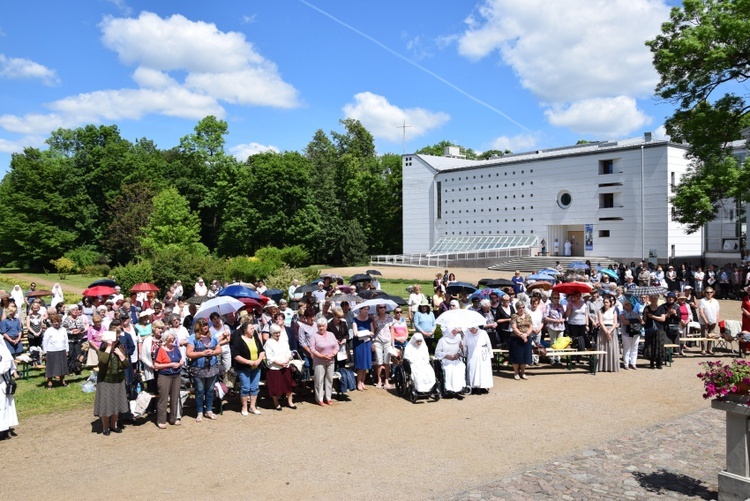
405,386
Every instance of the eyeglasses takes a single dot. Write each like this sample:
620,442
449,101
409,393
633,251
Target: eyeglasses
381,307
709,292
397,311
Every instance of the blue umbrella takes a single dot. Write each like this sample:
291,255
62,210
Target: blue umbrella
485,293
238,291
541,276
609,272
459,287
549,271
578,265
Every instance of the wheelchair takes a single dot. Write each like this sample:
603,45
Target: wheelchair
405,387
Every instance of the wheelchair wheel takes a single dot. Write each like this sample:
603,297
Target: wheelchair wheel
413,396
435,395
399,380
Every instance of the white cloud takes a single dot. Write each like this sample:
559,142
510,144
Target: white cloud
516,144
570,49
122,6
249,19
19,68
17,146
242,151
251,86
383,119
217,66
135,103
661,133
599,117
33,123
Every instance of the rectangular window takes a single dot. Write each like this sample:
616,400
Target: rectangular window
606,200
603,233
606,167
439,200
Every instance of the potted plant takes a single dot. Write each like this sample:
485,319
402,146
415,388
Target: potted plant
721,380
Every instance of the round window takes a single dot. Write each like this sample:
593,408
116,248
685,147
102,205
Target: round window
564,199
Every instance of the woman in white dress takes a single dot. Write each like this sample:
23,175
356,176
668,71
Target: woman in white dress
478,359
8,416
422,372
449,351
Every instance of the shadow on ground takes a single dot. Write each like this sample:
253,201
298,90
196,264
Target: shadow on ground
664,481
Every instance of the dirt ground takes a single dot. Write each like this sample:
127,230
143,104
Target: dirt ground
375,445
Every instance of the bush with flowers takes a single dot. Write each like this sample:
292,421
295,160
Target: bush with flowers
720,379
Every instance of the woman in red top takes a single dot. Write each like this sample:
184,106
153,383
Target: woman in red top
169,364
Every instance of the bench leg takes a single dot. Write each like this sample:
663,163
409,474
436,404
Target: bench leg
670,352
593,363
569,363
25,372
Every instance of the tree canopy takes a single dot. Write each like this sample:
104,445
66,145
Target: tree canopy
703,59
131,201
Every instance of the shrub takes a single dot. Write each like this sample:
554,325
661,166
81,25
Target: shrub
96,270
270,255
84,256
132,273
180,264
249,269
63,266
283,277
295,256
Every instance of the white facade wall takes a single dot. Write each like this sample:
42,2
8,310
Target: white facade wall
418,200
517,196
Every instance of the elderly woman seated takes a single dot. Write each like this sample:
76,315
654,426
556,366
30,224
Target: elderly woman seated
422,372
450,352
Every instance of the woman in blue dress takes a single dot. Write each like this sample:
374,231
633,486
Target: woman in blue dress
362,327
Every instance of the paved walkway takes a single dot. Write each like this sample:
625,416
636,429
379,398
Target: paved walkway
678,459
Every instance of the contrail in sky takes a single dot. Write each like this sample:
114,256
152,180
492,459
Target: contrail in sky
434,75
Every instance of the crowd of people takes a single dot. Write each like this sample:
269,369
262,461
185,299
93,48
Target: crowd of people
322,334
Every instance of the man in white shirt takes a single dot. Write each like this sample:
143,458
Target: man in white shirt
320,295
178,292
200,287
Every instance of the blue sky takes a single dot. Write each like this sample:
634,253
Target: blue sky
515,74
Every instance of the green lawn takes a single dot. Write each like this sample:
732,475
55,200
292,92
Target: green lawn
397,287
78,281
32,397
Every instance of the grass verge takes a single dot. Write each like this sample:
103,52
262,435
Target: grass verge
32,397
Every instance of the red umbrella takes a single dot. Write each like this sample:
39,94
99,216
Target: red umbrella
252,303
572,287
144,287
99,290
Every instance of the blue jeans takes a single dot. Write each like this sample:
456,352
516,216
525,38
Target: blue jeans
204,393
249,381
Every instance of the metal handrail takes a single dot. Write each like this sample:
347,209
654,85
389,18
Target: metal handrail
445,259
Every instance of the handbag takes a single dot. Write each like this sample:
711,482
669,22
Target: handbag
634,328
10,383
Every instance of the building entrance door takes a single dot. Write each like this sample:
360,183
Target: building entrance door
576,243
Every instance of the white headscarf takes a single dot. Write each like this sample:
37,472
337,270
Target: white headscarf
57,291
450,337
416,352
17,295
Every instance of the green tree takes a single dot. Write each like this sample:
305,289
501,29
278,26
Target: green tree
487,155
172,225
45,209
702,52
438,150
129,214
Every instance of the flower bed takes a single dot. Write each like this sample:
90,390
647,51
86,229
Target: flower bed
720,379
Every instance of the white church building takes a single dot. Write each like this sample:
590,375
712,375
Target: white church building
609,199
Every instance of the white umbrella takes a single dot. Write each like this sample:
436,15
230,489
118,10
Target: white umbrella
460,318
373,303
221,305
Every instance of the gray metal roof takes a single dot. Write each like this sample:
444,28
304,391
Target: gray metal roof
449,164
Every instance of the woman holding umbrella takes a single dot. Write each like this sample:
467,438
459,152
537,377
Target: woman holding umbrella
654,317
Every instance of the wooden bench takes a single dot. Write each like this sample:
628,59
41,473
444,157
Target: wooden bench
592,355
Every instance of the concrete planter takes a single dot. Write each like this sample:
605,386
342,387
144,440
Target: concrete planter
734,481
